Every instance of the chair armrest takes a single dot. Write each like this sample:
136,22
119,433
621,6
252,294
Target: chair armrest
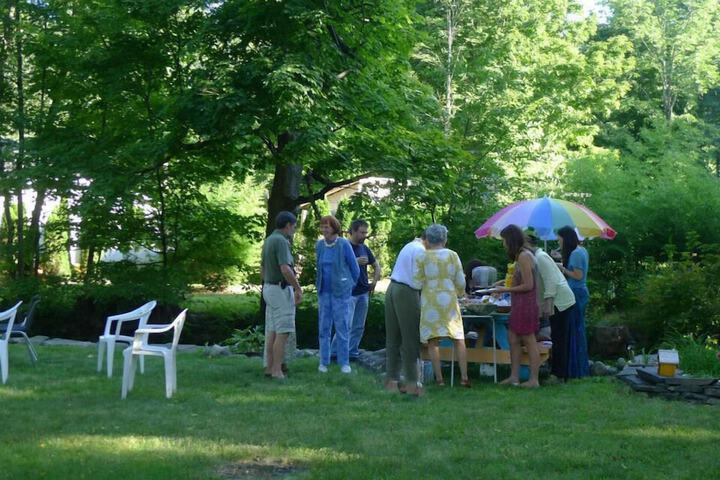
119,319
125,316
158,329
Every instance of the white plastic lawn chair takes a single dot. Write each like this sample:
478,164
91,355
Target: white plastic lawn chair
110,337
8,315
141,347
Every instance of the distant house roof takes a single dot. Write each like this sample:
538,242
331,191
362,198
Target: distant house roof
376,187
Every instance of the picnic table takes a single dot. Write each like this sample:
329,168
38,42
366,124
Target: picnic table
498,349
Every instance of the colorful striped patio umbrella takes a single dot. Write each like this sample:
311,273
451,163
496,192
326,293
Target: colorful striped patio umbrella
546,216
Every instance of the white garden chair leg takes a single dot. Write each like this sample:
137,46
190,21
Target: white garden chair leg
168,376
142,364
174,370
127,369
101,350
110,357
4,361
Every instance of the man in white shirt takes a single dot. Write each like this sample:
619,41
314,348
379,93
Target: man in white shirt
556,299
402,320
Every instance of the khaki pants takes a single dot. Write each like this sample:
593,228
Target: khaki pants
280,317
402,331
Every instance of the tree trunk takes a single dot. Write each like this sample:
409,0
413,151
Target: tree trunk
161,218
451,16
284,193
8,221
285,189
21,142
68,246
35,228
90,265
9,260
668,95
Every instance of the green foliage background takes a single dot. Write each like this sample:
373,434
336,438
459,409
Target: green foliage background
179,128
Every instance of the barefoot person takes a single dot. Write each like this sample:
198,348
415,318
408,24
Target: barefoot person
281,291
524,312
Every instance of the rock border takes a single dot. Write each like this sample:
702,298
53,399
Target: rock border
645,379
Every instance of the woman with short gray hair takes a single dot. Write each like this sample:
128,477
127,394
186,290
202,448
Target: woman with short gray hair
441,275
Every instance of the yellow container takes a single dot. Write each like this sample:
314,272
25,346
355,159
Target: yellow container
666,369
668,361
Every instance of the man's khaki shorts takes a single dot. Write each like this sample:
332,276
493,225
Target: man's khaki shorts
280,310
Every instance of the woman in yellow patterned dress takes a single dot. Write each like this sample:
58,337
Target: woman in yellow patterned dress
441,275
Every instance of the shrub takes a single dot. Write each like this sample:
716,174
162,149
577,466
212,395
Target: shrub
697,354
246,340
679,296
79,311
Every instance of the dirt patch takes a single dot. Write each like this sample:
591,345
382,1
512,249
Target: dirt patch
255,469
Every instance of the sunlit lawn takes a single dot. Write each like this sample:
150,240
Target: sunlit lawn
60,419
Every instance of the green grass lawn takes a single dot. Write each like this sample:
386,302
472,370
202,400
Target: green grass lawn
61,419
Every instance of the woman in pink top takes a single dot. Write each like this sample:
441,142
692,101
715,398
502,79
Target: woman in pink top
524,311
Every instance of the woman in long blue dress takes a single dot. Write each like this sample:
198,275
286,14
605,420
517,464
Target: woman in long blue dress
575,262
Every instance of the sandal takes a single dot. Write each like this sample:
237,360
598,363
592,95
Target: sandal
465,383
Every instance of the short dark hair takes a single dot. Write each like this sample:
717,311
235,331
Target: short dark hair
531,237
356,224
514,240
333,222
283,218
570,242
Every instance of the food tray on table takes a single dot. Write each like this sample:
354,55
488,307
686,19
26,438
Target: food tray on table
479,308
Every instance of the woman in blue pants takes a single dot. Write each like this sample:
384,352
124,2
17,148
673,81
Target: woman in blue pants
337,274
575,262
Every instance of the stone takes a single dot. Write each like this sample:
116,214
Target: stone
599,369
63,342
632,380
374,361
36,340
306,352
712,401
217,351
621,362
187,348
608,341
694,397
712,391
649,388
650,375
645,360
703,382
628,370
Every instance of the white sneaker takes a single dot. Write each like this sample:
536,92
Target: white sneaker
346,369
322,369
